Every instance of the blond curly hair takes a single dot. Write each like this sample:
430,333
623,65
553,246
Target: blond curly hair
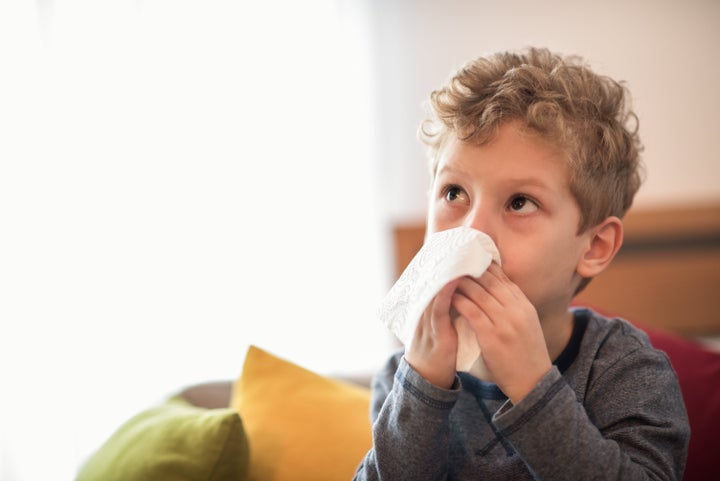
586,115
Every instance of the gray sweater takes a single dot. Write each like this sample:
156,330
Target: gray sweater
610,408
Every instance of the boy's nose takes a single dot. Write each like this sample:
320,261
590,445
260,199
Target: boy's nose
480,220
483,224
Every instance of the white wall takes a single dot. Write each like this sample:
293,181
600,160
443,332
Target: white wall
665,50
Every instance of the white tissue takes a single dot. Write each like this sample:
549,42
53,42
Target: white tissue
445,256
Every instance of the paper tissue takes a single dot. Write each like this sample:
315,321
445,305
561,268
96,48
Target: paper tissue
445,256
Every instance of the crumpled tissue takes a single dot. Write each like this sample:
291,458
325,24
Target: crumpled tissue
445,256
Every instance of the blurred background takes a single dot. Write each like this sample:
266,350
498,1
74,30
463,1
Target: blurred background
181,179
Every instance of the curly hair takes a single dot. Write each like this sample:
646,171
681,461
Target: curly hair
586,115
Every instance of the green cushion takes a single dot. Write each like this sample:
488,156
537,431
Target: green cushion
173,441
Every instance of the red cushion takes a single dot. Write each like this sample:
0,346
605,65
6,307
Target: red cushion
698,371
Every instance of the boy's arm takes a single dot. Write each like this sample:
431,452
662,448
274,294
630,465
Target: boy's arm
632,425
410,426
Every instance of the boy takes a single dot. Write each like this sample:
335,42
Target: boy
534,149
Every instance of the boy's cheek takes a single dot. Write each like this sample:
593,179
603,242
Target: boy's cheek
440,220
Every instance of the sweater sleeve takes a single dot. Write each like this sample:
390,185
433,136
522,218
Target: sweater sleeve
411,427
632,425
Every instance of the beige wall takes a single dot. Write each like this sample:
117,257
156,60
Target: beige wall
666,51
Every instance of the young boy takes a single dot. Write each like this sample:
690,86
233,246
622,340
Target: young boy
540,153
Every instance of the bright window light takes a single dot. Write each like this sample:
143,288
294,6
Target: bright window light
179,180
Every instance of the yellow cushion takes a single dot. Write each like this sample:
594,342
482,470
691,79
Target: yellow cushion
300,425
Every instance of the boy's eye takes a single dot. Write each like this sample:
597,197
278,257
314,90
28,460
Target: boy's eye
522,204
453,193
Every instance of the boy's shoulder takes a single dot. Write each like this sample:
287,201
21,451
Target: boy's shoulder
612,344
612,333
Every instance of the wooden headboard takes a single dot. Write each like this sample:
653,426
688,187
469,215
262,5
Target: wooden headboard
667,273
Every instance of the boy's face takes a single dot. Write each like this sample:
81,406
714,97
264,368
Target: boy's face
515,189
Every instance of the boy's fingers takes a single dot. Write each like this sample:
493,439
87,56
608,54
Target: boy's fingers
481,293
472,312
496,281
441,304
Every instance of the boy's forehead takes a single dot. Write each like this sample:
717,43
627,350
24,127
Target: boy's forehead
522,158
516,147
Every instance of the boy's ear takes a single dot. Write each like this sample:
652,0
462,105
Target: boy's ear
604,240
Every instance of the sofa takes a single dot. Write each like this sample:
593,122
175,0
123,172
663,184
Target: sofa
281,422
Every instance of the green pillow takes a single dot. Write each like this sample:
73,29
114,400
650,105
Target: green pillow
173,441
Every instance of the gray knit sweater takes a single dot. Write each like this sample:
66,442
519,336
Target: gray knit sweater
610,408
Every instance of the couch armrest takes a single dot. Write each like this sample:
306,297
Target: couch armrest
216,394
698,371
210,395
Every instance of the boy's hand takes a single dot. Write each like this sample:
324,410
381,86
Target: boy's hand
507,328
433,350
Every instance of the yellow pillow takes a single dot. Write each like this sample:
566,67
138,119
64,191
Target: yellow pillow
300,425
